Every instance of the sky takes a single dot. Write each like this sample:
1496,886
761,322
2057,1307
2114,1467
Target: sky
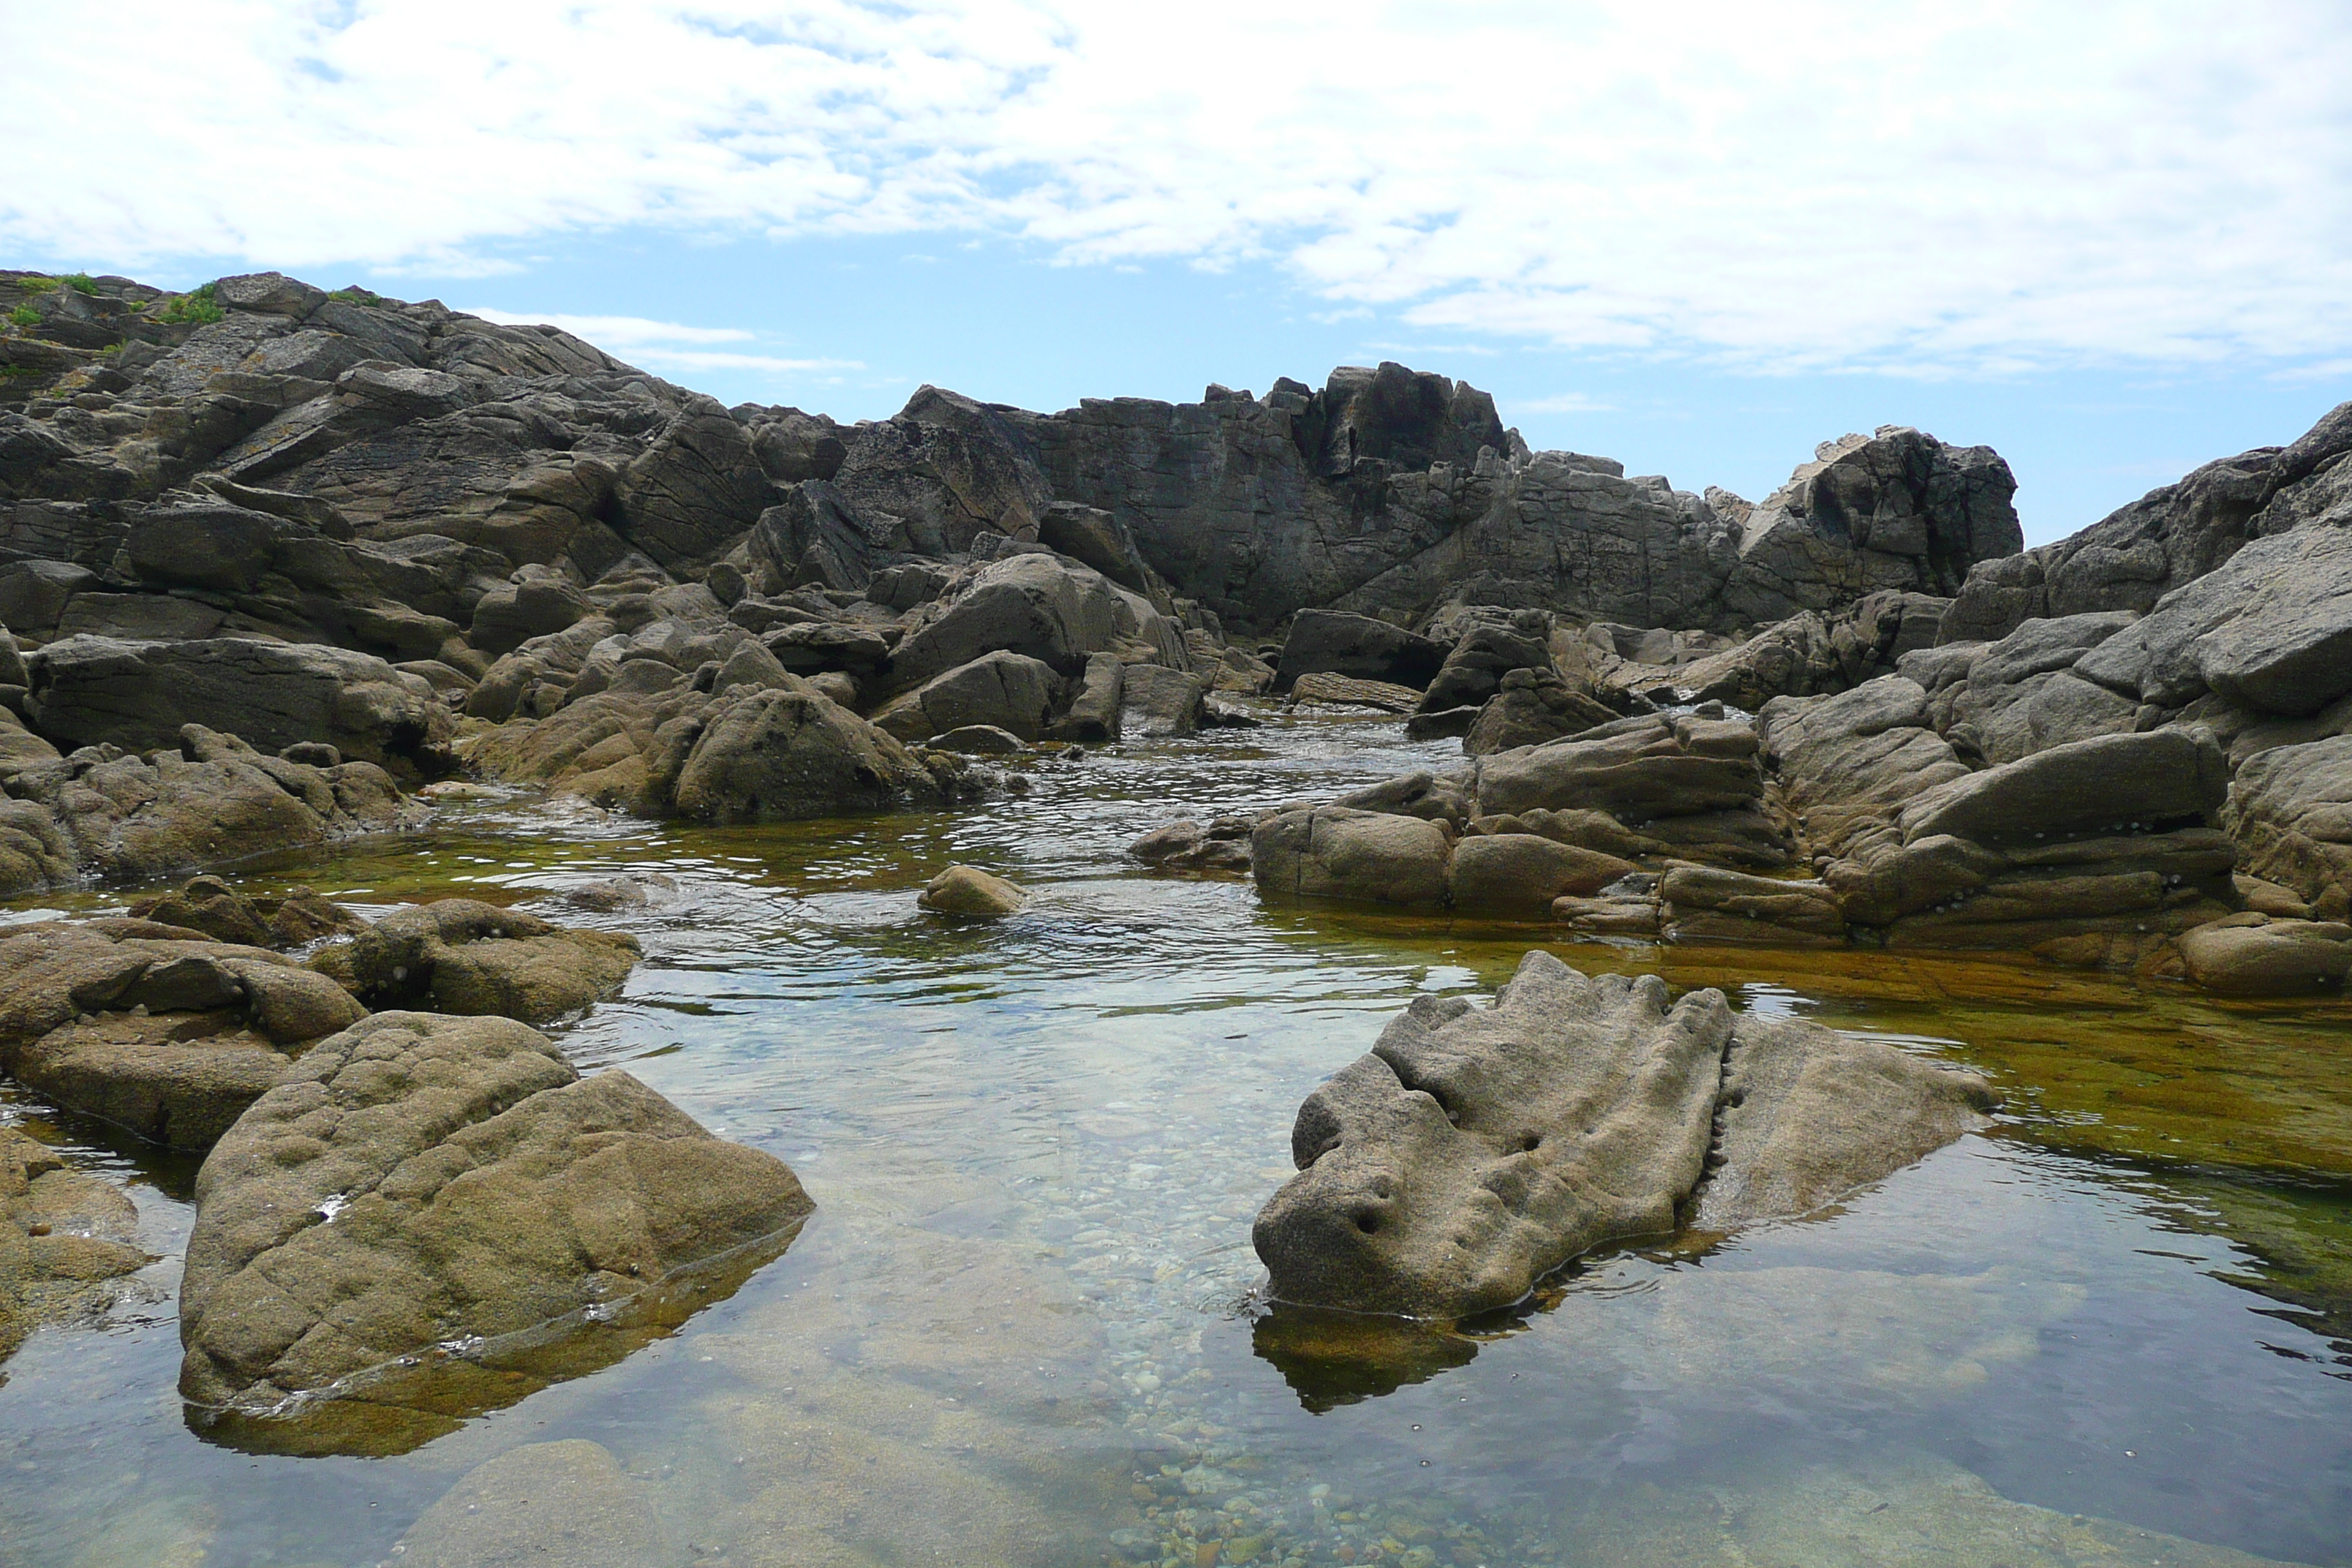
2111,240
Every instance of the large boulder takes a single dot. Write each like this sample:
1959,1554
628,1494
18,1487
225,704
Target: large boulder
2291,810
212,907
1336,852
1334,642
422,1181
168,1039
1040,606
2269,630
783,756
1476,1149
1531,706
1009,690
752,753
90,691
2255,955
1155,701
1474,669
1896,509
1522,873
2108,784
463,956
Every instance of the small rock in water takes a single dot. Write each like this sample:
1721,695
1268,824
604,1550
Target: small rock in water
969,890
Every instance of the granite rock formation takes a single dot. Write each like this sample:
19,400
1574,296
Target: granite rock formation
1473,1150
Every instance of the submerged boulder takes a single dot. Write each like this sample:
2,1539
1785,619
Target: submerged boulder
1476,1149
423,1181
64,1235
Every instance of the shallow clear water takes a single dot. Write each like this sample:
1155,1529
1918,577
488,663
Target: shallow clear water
1022,1327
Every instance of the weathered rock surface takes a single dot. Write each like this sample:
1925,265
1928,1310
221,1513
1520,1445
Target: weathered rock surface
463,956
210,800
1330,641
2169,538
969,890
420,1181
1008,690
2291,809
90,692
169,1039
2096,850
1476,1149
211,906
1810,1114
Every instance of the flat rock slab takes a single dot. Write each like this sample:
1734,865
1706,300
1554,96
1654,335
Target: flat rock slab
1476,1149
422,1182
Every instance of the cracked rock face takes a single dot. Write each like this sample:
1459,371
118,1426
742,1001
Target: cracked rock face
1473,1150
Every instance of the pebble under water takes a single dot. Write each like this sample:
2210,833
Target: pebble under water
1024,1325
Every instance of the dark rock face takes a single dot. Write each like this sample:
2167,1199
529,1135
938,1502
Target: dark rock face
1332,642
1476,1149
475,1184
90,691
2167,539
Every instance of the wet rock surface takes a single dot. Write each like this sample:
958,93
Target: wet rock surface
462,957
470,1184
969,890
64,1236
1476,1149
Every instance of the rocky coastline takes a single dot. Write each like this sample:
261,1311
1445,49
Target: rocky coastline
278,562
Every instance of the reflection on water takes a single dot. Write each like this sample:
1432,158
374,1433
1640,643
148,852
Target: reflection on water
1021,1327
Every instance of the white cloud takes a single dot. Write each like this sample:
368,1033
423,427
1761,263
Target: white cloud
1564,402
1887,184
660,346
614,331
